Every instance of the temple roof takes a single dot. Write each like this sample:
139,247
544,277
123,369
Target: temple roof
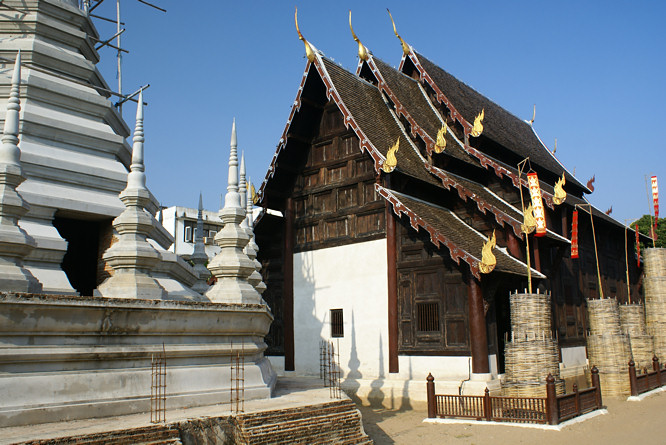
447,230
499,124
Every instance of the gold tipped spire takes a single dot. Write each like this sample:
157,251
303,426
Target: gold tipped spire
362,50
488,260
405,47
309,52
529,223
560,195
391,161
477,129
440,145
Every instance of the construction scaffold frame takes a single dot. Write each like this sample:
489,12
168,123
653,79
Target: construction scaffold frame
158,375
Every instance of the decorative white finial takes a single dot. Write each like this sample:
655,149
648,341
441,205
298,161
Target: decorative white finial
232,198
10,153
137,176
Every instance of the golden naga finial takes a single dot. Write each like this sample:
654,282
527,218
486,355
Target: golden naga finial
405,47
440,145
529,223
362,50
488,260
253,192
309,52
477,129
560,195
533,115
391,161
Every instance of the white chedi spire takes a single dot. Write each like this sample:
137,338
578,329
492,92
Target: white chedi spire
132,257
231,266
199,257
252,248
15,243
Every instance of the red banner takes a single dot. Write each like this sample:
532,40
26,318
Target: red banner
638,248
655,200
537,204
574,235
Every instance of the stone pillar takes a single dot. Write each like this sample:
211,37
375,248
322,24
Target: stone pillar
231,266
477,328
15,243
132,257
199,257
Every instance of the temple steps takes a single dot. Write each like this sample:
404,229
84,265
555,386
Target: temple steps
336,422
150,435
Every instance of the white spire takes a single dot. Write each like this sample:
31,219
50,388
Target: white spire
137,177
232,198
242,186
199,257
10,153
16,243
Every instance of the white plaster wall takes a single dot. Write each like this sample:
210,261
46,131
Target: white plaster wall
352,278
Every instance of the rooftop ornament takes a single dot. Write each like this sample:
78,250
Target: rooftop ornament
362,50
440,145
405,48
309,50
477,128
391,161
560,195
488,260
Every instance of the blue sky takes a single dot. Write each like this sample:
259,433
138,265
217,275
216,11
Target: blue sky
595,71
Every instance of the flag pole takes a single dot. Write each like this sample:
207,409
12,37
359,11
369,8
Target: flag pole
521,166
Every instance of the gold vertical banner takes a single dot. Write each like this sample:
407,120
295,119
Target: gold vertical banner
537,203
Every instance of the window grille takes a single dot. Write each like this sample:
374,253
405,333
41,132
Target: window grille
427,317
337,325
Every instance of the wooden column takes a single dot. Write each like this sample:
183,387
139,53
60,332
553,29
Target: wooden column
513,244
536,256
392,273
288,286
477,327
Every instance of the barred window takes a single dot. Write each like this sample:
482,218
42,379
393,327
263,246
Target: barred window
337,325
427,317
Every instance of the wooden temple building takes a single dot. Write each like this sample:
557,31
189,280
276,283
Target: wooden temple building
384,260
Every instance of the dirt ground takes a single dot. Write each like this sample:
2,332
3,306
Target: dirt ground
625,423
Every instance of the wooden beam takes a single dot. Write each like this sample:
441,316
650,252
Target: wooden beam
288,289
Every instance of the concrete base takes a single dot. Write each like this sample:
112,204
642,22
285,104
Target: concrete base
64,358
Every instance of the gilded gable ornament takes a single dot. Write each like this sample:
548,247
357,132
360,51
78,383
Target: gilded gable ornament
362,50
440,145
488,260
560,195
477,129
391,161
309,52
405,48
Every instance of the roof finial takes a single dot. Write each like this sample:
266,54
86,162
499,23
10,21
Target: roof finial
362,50
555,147
200,201
405,48
533,115
137,176
309,52
232,198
